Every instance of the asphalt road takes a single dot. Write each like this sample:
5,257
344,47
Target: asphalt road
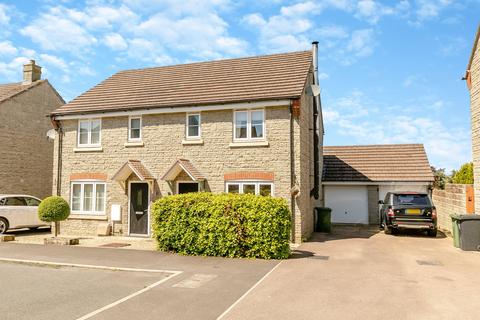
204,288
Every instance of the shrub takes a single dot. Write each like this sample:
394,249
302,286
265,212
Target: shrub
226,225
53,209
464,175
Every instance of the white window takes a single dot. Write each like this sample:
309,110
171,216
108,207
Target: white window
262,188
193,126
249,125
89,133
88,197
135,129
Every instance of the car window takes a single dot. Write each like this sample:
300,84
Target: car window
32,202
15,201
411,199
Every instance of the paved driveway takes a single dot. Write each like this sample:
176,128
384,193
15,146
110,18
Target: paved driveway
368,275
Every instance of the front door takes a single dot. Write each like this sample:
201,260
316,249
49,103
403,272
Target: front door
187,187
139,208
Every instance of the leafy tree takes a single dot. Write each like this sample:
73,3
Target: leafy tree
464,175
441,178
53,209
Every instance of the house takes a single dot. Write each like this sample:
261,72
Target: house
26,165
473,83
355,178
247,125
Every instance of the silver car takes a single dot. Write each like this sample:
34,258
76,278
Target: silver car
19,211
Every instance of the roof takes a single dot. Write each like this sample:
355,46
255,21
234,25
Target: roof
9,90
474,49
270,77
133,166
377,163
183,165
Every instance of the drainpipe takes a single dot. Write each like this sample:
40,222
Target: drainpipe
58,127
317,121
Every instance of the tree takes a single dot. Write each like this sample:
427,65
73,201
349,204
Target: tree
464,175
441,178
53,209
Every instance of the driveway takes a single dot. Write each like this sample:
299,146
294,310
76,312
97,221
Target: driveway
362,274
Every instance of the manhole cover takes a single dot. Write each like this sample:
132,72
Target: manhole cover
319,257
429,263
115,245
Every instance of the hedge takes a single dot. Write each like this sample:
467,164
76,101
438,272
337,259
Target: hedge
226,225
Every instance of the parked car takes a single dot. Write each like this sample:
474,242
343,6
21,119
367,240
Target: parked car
19,211
412,210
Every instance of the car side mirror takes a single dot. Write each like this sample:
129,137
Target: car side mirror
380,201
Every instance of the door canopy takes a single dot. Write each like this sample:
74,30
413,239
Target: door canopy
135,167
183,165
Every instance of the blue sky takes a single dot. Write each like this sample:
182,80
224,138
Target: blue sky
390,71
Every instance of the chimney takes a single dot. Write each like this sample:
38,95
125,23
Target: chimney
31,72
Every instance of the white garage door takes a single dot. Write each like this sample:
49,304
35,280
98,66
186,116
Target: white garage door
383,189
349,204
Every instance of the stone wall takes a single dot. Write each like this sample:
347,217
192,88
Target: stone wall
162,136
451,200
475,114
27,156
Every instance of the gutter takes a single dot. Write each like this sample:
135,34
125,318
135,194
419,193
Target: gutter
317,117
58,127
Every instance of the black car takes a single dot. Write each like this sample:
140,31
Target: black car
411,210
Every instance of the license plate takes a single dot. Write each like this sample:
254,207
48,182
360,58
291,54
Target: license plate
413,211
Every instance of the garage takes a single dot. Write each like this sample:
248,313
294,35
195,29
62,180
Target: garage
349,204
355,178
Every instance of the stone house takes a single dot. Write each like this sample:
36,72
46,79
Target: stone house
247,125
26,164
473,83
355,178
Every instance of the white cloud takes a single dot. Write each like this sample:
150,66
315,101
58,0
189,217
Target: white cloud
254,19
4,16
12,70
373,11
7,49
323,76
54,61
115,41
427,9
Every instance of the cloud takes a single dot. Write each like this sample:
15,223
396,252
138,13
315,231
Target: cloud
115,41
12,70
4,16
7,49
53,61
372,11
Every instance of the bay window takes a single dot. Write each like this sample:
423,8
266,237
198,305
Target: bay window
88,197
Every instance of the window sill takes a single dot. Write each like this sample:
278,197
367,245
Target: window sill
88,149
249,144
133,144
192,142
87,217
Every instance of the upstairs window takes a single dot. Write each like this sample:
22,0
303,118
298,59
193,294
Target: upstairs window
249,125
193,127
135,129
89,133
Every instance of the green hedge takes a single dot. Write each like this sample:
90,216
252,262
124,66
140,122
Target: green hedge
226,225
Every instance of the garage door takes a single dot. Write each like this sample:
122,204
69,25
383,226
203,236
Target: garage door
349,204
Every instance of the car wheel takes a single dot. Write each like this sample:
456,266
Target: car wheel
432,232
3,225
388,230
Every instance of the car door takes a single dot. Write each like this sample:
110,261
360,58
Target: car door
14,210
32,209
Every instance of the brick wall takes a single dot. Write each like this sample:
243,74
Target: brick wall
27,156
451,200
475,113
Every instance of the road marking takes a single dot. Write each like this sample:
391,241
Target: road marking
139,292
195,281
85,266
246,293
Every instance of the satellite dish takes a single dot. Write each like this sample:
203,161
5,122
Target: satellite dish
51,134
313,90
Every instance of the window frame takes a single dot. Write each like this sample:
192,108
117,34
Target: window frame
199,136
82,184
89,143
249,125
130,139
257,184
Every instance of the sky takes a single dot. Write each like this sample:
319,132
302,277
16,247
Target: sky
390,71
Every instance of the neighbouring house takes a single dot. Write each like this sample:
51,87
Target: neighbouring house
247,125
355,178
26,164
473,82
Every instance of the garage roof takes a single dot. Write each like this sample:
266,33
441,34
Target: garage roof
377,163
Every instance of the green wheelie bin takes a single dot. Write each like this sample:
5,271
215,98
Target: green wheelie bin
323,221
